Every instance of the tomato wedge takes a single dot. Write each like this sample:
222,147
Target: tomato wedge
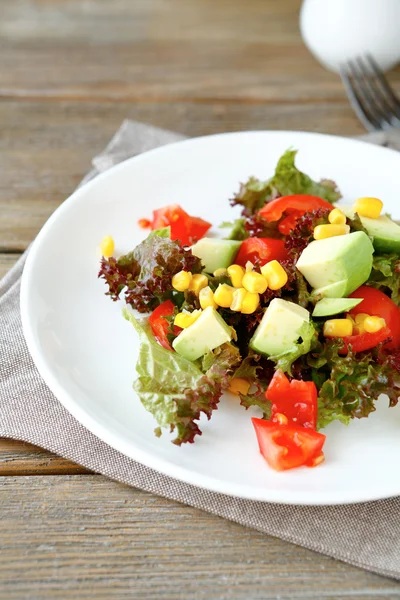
159,325
295,399
288,446
184,228
261,249
377,304
365,341
293,207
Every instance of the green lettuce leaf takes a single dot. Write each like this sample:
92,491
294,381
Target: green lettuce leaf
175,390
385,275
145,274
237,229
349,385
307,339
287,180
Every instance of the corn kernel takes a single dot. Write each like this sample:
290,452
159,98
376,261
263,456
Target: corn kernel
236,273
360,318
338,328
223,295
368,207
374,324
239,386
206,298
198,282
249,266
254,282
275,275
220,272
181,281
250,303
238,296
322,232
336,217
107,246
185,320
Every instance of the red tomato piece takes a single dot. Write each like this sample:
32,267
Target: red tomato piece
365,341
297,400
294,207
288,446
198,228
184,228
261,249
377,304
159,325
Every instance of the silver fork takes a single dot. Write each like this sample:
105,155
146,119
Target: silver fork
370,95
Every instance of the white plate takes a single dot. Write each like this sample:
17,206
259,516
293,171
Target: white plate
86,351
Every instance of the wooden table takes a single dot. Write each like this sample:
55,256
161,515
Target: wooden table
71,71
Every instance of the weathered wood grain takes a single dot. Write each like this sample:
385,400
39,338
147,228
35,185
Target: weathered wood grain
19,458
46,148
84,537
143,50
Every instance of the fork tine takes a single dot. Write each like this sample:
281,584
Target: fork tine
356,96
384,84
378,101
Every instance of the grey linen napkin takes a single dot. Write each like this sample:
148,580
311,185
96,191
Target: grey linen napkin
366,535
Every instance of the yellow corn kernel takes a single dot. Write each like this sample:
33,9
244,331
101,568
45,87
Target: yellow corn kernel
238,296
336,217
220,272
360,318
206,298
198,282
223,295
249,266
239,386
107,246
374,324
185,320
322,232
254,283
236,273
368,207
338,328
275,275
250,303
181,281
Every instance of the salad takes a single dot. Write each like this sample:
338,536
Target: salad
294,308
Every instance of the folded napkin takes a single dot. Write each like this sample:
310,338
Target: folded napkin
366,535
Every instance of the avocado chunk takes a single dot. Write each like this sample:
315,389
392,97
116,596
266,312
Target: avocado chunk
207,333
338,265
280,327
386,233
215,253
334,306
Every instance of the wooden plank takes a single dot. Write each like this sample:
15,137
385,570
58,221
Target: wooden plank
151,50
46,148
19,458
84,537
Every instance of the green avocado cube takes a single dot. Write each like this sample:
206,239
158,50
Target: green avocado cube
208,332
216,253
338,265
279,328
385,232
334,306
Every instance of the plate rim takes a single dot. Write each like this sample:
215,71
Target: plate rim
131,449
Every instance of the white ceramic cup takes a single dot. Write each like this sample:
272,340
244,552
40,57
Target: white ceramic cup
337,30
